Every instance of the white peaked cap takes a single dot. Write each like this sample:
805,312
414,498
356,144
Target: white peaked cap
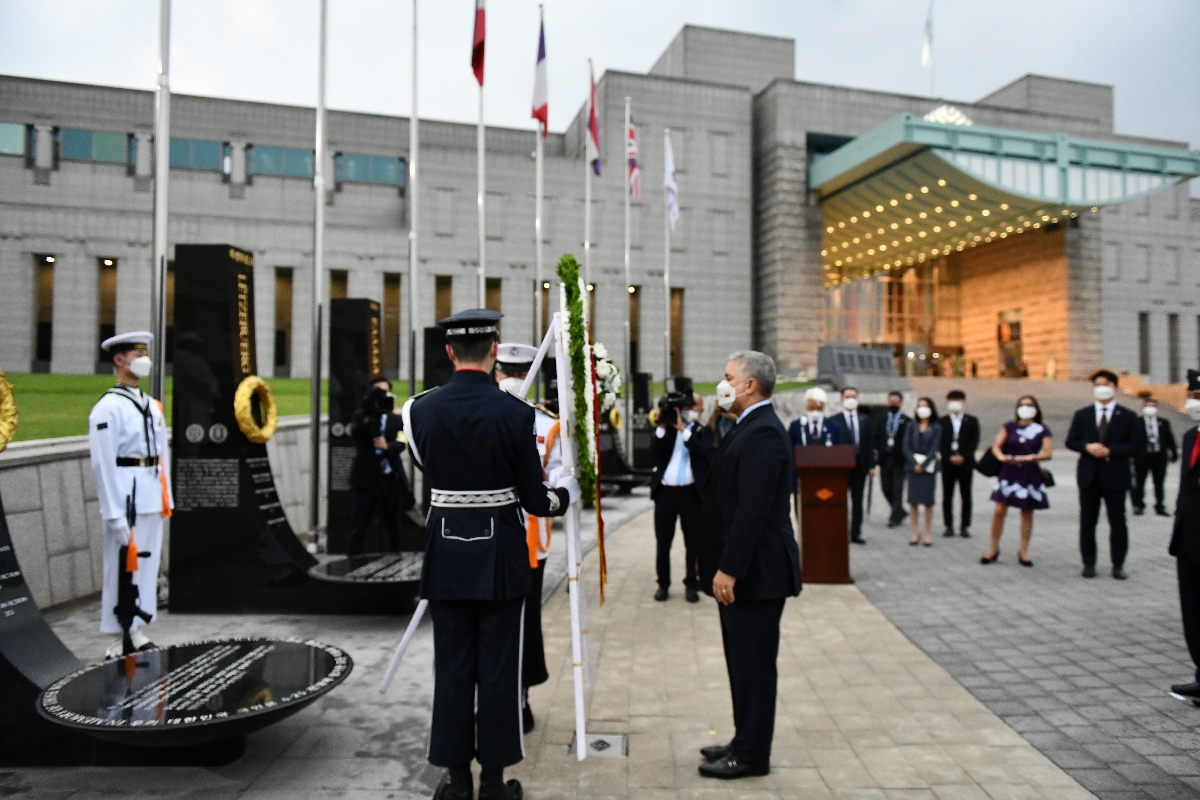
818,394
134,340
516,354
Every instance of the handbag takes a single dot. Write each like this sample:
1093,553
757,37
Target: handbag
1047,477
988,465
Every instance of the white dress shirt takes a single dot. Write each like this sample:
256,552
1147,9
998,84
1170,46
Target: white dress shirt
678,471
742,415
851,418
1104,411
956,423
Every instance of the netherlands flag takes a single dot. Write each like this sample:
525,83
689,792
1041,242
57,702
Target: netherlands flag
631,156
477,42
593,134
541,104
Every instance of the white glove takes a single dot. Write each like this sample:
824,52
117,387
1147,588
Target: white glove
569,483
118,528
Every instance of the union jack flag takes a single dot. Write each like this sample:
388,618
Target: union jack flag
631,157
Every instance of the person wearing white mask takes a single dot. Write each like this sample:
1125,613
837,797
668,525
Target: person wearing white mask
960,439
1019,446
854,428
127,437
1185,540
1106,436
1159,448
812,429
921,442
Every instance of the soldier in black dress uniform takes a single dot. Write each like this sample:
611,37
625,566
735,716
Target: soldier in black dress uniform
476,447
1185,540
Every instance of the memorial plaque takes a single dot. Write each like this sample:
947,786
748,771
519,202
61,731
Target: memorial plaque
232,548
194,693
355,354
386,578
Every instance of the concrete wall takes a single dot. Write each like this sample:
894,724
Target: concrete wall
53,514
732,57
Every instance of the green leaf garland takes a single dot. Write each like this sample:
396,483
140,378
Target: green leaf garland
568,272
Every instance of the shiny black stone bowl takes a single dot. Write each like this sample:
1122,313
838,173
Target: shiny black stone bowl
386,578
194,693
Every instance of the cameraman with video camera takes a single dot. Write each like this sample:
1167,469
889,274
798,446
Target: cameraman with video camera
377,477
682,449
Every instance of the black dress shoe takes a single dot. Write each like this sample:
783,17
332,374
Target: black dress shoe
1162,512
1181,691
730,767
966,534
1139,510
718,751
892,523
501,791
857,540
527,721
949,534
692,596
1088,572
661,594
1119,573
448,791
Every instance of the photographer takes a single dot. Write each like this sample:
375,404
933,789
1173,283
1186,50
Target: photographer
377,477
682,449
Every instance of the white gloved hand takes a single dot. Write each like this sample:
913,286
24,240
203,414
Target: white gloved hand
569,483
118,528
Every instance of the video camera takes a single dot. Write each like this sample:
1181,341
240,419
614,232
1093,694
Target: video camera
377,402
680,395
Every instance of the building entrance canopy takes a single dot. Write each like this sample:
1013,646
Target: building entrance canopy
912,189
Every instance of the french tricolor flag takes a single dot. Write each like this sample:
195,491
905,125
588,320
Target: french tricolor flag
477,44
593,128
541,103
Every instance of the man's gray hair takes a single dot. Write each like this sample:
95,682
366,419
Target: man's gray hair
759,366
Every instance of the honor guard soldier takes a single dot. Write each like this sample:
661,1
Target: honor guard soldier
513,362
1185,539
127,436
475,445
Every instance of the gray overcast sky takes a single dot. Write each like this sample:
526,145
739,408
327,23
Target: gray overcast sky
266,49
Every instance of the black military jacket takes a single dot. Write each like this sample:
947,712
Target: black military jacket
470,437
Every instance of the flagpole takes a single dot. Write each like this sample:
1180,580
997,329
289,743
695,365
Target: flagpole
318,273
482,215
412,219
629,376
537,232
587,197
162,177
666,268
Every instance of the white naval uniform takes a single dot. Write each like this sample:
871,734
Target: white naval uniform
117,428
552,468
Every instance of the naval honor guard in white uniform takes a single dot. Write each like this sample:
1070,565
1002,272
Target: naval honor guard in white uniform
127,435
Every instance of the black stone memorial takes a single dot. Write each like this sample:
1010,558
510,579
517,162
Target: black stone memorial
438,366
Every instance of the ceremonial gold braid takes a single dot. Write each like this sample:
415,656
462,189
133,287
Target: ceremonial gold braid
250,386
8,411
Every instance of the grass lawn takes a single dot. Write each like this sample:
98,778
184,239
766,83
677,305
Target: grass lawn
58,405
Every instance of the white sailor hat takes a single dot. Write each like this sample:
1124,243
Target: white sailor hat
472,322
134,340
515,355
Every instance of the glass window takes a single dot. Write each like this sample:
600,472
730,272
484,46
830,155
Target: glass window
109,146
383,170
181,153
12,139
298,163
74,143
352,167
206,155
267,160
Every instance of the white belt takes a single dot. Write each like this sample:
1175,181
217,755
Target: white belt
485,499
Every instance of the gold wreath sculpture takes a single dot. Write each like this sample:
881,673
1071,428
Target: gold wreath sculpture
8,411
250,386
615,418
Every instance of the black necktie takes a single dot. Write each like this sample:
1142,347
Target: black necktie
1102,429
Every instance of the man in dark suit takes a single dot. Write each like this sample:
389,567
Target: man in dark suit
749,558
1159,447
854,427
1185,540
377,476
814,429
681,449
960,440
889,454
1106,436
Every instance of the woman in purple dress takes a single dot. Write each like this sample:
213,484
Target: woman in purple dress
1019,446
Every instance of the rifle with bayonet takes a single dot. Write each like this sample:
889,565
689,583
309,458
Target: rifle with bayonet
127,607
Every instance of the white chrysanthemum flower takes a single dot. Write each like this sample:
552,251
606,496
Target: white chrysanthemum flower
603,369
600,350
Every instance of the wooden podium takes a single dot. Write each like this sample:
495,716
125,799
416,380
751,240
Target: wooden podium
821,477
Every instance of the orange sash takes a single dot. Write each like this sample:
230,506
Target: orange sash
533,525
162,480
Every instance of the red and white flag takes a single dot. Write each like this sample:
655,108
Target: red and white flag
631,157
477,44
593,134
541,103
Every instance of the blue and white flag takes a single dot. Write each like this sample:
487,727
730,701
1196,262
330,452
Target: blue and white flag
669,185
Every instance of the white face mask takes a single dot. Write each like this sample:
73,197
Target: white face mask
850,403
726,394
690,416
924,412
511,385
1026,411
141,366
1103,393
955,406
1193,409
1150,411
816,416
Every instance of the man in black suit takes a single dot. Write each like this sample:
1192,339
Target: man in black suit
960,440
1106,436
1159,447
889,454
854,427
749,558
377,476
1185,540
681,449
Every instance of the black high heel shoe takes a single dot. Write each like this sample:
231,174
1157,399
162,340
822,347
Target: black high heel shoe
1023,562
986,560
